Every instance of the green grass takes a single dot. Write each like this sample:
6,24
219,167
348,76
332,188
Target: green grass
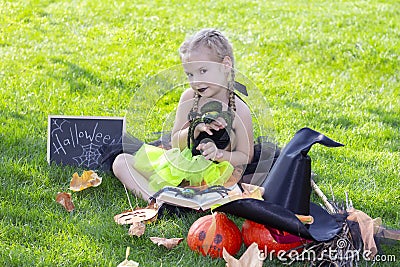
330,65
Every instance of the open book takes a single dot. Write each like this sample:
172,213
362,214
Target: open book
195,198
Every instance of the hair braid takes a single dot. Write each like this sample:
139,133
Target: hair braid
231,91
194,111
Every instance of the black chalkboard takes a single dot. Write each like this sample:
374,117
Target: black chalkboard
78,140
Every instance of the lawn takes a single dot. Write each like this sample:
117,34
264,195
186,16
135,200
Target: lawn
332,66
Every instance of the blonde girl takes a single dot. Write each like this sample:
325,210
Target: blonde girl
212,132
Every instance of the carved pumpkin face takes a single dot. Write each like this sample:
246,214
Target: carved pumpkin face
255,232
211,233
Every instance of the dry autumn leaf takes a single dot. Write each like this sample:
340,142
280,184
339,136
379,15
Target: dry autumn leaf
88,179
65,199
210,234
139,215
126,262
251,257
154,206
169,243
137,229
252,191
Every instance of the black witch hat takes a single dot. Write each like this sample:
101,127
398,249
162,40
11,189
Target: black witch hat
287,194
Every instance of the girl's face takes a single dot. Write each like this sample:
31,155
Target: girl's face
206,74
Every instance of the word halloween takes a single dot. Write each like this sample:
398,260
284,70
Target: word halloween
66,133
77,137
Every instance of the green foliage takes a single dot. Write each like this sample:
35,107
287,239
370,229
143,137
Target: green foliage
330,65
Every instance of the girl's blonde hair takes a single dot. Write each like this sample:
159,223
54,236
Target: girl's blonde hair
220,45
212,39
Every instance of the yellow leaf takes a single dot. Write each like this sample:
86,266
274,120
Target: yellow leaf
251,257
126,262
252,191
210,234
88,179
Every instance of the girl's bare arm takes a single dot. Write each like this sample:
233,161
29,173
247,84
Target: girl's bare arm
179,133
243,146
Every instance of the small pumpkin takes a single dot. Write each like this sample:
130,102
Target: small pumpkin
255,232
211,233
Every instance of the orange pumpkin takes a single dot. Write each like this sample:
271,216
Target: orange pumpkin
211,233
255,232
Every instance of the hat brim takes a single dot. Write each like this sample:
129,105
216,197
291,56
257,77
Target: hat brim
324,227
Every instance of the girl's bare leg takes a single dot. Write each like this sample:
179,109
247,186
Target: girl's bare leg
130,177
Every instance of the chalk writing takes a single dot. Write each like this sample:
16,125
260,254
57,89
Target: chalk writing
77,140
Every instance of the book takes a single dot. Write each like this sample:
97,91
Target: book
196,198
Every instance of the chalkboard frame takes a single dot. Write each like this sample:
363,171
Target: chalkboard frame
99,119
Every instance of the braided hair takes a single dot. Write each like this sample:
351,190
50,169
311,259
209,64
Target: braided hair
220,45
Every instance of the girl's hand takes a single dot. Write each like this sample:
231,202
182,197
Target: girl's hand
209,150
216,125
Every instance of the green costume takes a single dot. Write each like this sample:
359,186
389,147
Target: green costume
172,167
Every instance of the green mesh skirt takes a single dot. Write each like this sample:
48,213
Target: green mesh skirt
172,167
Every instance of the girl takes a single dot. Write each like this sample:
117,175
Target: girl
212,132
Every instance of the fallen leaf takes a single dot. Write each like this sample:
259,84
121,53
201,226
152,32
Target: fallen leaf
306,219
152,205
169,243
126,262
88,179
210,234
137,229
252,191
139,215
251,257
65,199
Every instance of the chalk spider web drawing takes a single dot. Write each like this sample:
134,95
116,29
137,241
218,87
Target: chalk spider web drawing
90,156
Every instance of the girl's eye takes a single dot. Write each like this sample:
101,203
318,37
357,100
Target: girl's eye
202,71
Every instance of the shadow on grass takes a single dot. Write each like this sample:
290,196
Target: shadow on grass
76,76
29,148
340,122
389,129
295,105
81,79
381,133
389,118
